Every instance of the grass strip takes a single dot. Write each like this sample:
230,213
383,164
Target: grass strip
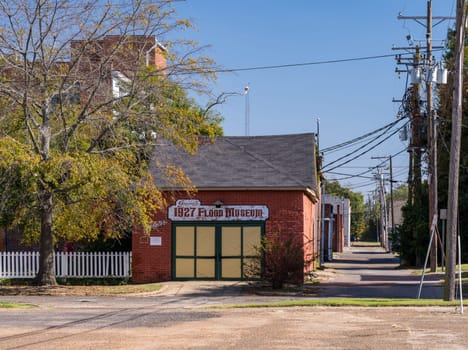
358,302
85,290
10,305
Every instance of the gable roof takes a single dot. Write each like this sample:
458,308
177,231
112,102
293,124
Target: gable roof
247,162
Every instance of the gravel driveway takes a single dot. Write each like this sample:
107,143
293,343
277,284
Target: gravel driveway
179,318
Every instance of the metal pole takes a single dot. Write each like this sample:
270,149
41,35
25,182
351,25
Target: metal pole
460,275
432,134
433,229
391,197
318,134
384,212
322,238
443,220
377,222
247,110
330,237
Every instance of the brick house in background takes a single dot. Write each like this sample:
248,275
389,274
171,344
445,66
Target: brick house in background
115,59
131,53
247,188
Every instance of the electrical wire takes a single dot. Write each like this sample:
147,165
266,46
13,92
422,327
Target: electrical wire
349,176
351,153
352,59
346,143
369,169
367,150
313,63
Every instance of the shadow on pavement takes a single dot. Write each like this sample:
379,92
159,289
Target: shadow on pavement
358,273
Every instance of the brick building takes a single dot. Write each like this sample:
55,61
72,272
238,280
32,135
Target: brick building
247,188
337,222
114,60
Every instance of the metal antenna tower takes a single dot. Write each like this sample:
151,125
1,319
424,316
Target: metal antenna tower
247,110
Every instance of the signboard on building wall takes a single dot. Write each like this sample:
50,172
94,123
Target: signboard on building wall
193,210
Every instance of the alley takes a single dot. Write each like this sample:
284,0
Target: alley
366,270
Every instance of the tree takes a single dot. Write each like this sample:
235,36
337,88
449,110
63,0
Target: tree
410,239
86,92
400,193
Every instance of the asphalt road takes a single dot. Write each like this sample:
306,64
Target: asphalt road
178,317
370,272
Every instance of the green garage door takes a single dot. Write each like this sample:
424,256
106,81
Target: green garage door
215,251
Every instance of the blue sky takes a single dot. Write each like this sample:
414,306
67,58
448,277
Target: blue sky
350,98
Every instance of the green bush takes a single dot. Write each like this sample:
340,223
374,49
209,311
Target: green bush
283,260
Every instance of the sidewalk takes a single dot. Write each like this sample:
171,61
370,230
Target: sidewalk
365,271
208,289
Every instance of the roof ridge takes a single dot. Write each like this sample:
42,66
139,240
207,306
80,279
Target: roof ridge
264,136
260,158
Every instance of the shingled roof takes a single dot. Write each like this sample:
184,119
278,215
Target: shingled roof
247,162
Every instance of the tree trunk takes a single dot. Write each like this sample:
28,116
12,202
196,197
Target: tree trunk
46,273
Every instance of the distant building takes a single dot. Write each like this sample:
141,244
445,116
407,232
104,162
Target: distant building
115,59
397,211
337,224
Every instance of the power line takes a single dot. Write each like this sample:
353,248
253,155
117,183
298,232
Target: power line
341,145
385,130
348,176
313,63
367,150
369,169
228,70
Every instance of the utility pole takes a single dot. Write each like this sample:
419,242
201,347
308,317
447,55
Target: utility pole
432,125
377,222
413,110
431,136
391,196
410,178
454,168
416,145
383,211
392,216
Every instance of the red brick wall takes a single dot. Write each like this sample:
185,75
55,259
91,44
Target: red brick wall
337,228
310,235
290,212
338,238
160,60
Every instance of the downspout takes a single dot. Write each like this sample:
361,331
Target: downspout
322,228
330,236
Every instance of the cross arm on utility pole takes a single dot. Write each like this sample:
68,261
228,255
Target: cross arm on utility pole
416,46
418,19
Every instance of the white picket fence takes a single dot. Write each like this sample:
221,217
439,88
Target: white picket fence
73,264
